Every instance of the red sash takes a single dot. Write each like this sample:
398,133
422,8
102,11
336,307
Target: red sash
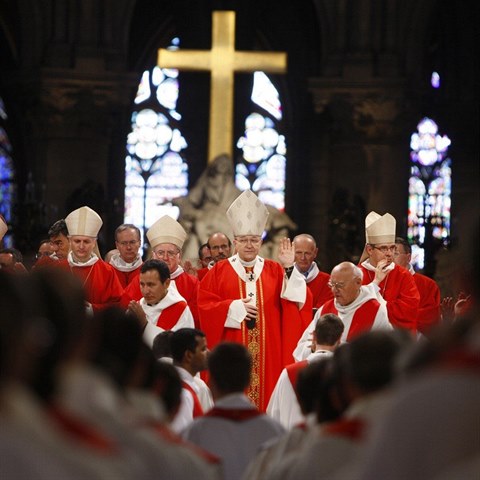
234,414
169,317
82,432
459,359
293,370
352,428
197,406
363,318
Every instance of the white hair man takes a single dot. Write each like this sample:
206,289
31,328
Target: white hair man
356,305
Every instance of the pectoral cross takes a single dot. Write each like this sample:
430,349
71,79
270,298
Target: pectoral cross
222,61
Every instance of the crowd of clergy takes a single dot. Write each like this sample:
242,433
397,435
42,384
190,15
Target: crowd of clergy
234,366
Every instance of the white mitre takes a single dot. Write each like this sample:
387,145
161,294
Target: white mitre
3,228
380,228
83,221
247,215
166,230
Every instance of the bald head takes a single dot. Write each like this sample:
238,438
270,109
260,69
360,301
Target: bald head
305,251
345,281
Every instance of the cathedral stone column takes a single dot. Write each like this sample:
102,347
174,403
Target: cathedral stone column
364,155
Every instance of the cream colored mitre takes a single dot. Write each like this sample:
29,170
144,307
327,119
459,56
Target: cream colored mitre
380,228
3,228
83,221
166,230
247,215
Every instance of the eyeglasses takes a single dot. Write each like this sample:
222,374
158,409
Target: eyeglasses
219,247
338,285
385,248
166,253
246,240
130,243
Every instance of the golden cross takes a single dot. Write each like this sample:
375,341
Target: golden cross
222,61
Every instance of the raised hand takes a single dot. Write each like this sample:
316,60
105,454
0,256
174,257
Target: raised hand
286,253
381,271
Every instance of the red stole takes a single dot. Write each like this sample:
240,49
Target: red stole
234,414
170,315
197,406
82,432
351,428
459,359
362,320
293,370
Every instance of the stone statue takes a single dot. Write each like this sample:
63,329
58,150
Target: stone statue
202,211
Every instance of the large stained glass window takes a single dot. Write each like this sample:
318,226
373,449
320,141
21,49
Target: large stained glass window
263,163
7,185
429,189
155,170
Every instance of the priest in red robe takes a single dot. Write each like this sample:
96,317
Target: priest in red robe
127,262
260,303
317,281
392,284
166,237
101,284
429,308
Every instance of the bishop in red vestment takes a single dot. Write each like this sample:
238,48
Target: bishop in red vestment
101,285
393,285
259,303
428,314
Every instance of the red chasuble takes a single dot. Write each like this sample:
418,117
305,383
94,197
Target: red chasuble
101,284
321,292
429,308
202,272
401,294
125,278
278,327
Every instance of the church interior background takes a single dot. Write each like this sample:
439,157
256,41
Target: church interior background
378,110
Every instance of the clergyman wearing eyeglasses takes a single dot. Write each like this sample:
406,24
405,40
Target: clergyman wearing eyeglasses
355,304
392,283
258,302
127,261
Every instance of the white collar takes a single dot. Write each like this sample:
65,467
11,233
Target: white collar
239,266
365,295
312,272
74,263
120,264
176,273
